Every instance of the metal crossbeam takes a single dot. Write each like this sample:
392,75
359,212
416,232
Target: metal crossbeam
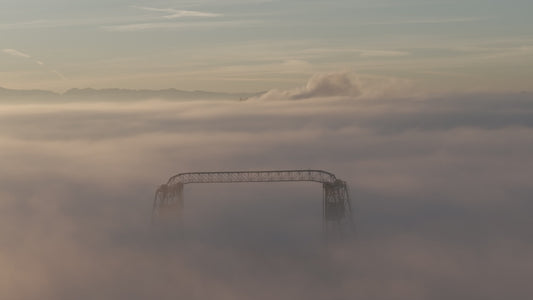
337,216
253,176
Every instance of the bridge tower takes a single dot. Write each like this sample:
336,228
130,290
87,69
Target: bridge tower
337,219
168,204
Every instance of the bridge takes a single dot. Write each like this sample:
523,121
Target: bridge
337,211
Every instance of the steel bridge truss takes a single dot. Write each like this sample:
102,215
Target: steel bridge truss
337,212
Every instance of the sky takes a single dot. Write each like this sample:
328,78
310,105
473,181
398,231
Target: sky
251,46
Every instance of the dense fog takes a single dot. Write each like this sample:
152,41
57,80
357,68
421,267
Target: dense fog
441,187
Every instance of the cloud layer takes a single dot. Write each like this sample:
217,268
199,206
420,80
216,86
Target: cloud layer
441,187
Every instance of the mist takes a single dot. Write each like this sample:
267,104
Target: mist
441,187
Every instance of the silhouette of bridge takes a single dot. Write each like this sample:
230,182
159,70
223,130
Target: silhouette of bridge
337,211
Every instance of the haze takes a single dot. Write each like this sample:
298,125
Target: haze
424,108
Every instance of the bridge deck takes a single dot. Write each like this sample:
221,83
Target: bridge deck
253,176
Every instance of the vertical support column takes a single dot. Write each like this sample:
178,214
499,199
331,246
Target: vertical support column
337,217
168,204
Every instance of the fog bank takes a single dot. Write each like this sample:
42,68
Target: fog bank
441,187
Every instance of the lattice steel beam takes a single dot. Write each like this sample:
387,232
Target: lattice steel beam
253,176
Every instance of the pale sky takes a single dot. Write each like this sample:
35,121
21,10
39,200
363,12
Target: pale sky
257,45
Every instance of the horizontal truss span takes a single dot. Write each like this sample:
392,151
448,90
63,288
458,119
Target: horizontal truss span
253,176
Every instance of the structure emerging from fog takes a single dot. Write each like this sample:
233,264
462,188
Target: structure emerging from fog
337,212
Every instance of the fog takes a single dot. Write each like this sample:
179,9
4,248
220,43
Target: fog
441,187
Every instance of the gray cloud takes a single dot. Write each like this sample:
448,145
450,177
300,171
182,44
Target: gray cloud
328,85
320,85
344,84
441,186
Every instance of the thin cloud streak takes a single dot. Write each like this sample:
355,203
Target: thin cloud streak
176,13
59,74
17,53
21,54
57,23
382,53
174,25
429,21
